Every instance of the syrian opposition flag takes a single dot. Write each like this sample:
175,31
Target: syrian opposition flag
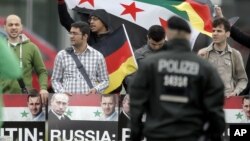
85,107
233,110
139,15
15,108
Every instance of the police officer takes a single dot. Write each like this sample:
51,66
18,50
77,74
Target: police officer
178,91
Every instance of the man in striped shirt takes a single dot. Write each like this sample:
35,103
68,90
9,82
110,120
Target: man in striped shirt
66,77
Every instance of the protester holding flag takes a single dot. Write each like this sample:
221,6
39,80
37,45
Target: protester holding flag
178,91
98,20
99,26
133,14
66,78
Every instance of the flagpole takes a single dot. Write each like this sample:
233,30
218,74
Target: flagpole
130,47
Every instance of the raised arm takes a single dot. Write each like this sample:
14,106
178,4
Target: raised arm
240,36
236,33
64,16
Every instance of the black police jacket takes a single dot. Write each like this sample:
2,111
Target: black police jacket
179,92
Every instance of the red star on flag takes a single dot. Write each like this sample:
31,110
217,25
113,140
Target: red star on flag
164,23
90,2
131,9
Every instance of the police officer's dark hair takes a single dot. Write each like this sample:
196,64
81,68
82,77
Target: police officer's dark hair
222,21
83,26
178,23
156,32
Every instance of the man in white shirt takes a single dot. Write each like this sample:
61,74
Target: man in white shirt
66,77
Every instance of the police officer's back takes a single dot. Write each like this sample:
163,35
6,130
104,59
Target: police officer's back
178,91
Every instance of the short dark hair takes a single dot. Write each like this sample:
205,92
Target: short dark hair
247,97
114,96
156,32
177,23
83,26
33,93
222,21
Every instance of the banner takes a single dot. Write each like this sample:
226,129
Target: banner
83,117
16,108
24,118
89,117
234,112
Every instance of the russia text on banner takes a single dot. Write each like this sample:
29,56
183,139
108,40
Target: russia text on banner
139,15
85,107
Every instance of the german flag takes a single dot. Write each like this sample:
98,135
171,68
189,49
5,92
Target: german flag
138,16
119,57
198,15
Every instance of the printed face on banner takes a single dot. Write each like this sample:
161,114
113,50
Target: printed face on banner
23,108
125,104
23,118
246,107
35,105
82,117
59,103
84,107
108,105
237,109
